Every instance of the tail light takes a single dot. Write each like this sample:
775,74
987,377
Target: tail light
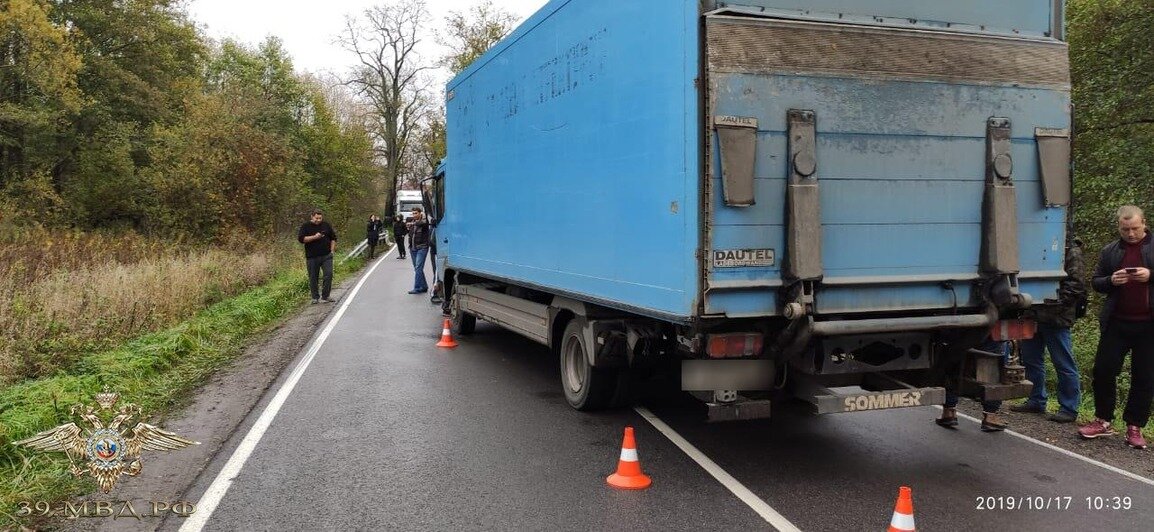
1004,330
734,345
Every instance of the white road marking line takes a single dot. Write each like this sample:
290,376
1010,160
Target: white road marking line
762,508
1070,453
215,492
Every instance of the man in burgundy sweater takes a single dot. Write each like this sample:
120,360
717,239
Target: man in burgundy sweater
1127,326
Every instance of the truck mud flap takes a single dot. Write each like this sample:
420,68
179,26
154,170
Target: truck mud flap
884,393
741,410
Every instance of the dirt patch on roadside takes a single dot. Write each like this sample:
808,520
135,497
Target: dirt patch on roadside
1109,450
212,416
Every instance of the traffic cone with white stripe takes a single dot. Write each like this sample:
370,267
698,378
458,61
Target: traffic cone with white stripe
447,335
629,475
903,520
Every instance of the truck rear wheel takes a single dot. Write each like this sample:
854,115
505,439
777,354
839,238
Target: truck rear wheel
463,323
586,387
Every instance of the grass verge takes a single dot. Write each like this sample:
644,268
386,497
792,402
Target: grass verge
155,371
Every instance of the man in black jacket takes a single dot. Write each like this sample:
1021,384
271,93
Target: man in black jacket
400,231
1127,323
1054,322
320,242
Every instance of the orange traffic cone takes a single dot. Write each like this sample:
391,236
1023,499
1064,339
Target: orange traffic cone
447,336
629,475
903,520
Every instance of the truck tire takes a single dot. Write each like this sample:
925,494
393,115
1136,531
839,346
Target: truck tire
462,322
585,387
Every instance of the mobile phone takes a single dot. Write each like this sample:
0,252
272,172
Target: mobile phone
1131,270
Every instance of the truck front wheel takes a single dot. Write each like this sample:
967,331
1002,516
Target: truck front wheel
586,387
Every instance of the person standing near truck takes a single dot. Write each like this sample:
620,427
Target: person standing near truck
400,230
1054,322
419,234
1127,326
373,234
320,242
991,421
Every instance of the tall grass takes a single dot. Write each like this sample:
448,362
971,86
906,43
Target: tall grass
63,295
155,371
149,318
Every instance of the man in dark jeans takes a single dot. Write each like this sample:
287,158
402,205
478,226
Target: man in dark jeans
1127,324
419,233
400,231
1054,321
320,242
991,421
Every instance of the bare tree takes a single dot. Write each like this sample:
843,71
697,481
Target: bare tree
389,76
428,147
470,34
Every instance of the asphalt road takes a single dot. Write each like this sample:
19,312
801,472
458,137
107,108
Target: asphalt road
383,430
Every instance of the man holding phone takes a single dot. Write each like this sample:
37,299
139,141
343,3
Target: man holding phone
320,242
1127,326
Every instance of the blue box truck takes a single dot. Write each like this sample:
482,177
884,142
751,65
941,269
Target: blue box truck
844,197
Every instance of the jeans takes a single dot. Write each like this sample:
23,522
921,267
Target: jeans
1057,340
419,282
315,266
1119,338
987,406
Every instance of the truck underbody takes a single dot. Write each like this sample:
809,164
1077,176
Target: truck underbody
736,365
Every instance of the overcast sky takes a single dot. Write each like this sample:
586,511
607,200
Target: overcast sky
309,28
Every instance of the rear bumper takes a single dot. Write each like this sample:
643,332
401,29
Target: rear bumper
915,324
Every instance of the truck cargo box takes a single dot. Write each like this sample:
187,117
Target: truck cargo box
640,155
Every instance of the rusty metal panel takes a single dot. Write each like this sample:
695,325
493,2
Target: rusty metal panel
737,140
1000,217
1036,18
1054,163
803,199
768,46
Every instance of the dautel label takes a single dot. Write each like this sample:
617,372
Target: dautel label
737,258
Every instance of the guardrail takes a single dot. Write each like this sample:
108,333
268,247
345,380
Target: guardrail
364,245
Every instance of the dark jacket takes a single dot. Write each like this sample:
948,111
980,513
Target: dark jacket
399,230
1071,292
1108,263
373,230
420,235
319,247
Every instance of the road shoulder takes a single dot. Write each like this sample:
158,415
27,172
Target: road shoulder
213,414
1111,450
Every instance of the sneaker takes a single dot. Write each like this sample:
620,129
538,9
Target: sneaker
315,301
328,300
1063,417
1027,408
1134,437
415,291
1096,428
949,418
992,423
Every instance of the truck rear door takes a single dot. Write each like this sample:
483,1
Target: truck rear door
895,130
